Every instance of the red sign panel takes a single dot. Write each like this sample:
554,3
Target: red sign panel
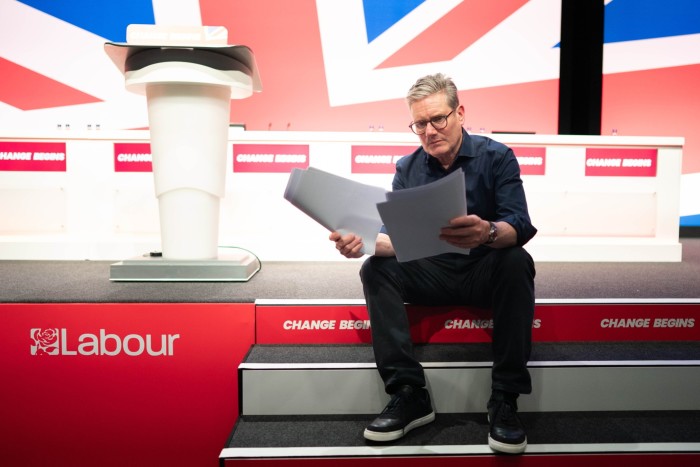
133,157
621,162
32,156
559,323
312,324
137,373
377,159
532,160
270,158
552,323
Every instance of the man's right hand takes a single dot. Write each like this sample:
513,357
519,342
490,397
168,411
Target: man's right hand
349,245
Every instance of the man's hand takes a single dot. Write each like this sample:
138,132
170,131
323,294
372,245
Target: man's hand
349,245
467,231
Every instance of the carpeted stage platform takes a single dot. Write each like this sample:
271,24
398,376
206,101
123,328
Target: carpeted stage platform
212,353
88,282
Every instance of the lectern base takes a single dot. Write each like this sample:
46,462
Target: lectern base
228,267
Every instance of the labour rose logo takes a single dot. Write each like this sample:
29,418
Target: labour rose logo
45,341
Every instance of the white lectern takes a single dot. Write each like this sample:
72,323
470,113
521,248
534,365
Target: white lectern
188,89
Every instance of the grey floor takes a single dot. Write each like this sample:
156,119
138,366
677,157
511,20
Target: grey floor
88,282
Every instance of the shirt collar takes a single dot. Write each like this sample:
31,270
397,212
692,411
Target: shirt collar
466,149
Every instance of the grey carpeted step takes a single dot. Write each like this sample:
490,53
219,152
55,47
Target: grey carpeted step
474,352
465,434
342,379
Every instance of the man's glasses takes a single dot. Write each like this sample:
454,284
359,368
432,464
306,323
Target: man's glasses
439,122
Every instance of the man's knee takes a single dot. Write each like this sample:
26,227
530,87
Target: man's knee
371,268
516,259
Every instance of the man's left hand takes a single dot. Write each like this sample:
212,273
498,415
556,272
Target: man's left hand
468,231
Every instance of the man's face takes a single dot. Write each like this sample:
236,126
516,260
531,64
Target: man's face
443,143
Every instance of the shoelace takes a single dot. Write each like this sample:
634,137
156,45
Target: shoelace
506,415
394,405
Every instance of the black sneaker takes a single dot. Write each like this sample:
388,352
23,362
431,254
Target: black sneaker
506,432
408,408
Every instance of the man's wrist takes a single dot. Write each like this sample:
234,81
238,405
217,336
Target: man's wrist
492,233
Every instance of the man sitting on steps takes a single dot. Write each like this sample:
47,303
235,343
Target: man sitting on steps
497,274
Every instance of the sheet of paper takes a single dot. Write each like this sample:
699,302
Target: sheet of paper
337,203
413,217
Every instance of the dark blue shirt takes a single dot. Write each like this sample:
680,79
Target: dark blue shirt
494,189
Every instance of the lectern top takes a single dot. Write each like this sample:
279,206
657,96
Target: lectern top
125,56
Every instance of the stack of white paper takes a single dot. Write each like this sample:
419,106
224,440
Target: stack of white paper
337,203
413,217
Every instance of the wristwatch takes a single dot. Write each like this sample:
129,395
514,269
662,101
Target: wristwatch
493,233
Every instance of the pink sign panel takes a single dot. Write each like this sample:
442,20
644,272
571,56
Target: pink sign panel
32,156
377,159
621,162
132,157
532,160
270,158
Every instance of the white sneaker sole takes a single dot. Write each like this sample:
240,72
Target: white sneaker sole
394,435
507,448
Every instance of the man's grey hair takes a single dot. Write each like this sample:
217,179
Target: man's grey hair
432,84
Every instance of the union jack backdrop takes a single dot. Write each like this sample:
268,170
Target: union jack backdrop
329,65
